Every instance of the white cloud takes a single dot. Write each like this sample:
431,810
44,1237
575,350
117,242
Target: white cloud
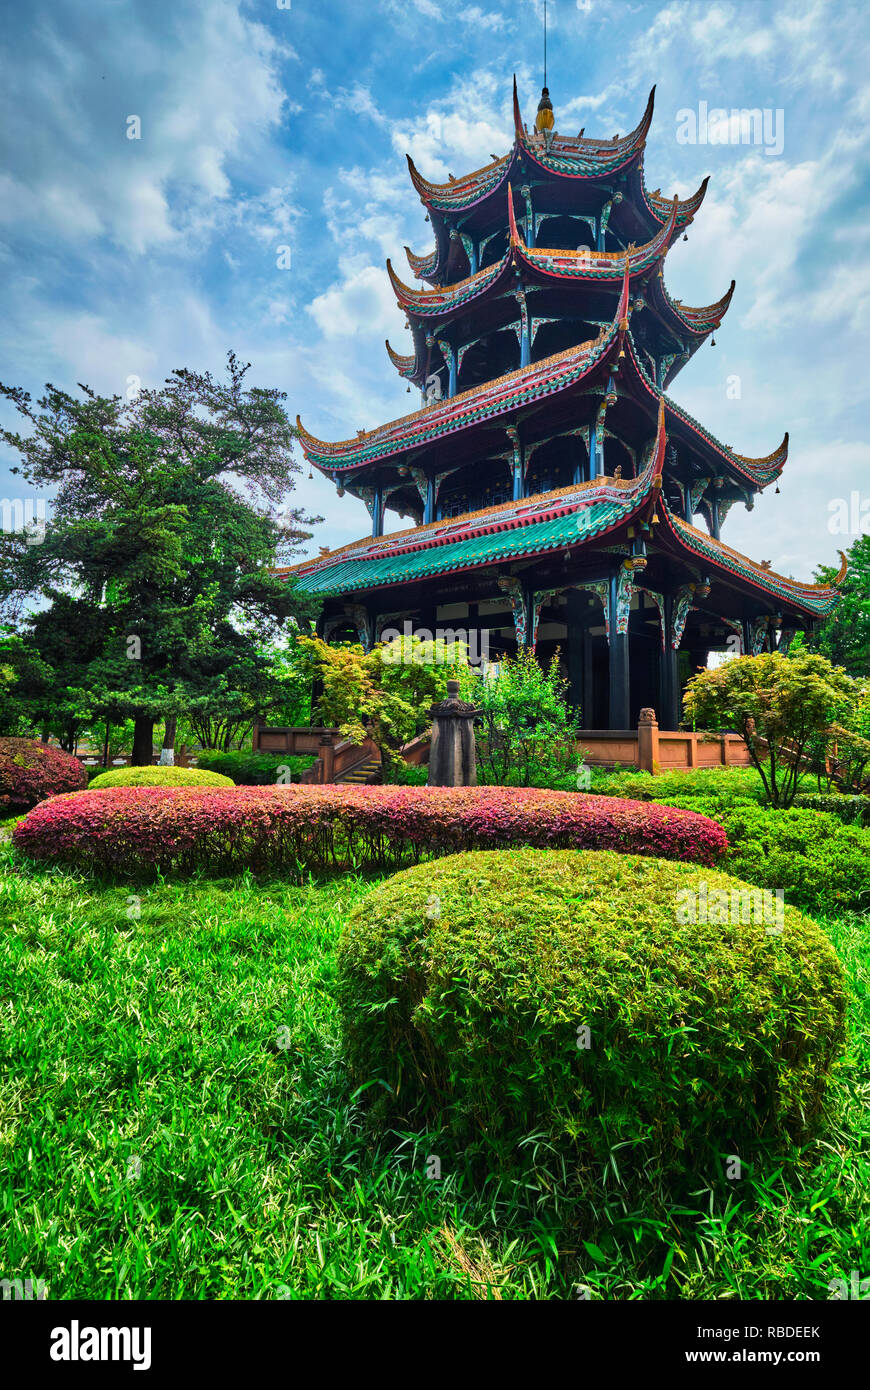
202,100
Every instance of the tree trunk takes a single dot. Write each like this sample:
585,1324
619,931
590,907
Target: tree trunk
167,752
143,743
106,746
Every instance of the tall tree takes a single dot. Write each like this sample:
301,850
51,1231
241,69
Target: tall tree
164,533
844,637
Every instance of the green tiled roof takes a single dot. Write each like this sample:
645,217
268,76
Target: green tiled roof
344,576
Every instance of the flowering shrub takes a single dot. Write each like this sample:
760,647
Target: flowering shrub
132,829
30,771
159,777
561,995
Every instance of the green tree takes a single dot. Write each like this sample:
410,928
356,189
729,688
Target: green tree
159,553
527,726
844,637
384,694
781,705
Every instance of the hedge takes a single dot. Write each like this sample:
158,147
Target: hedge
466,988
30,771
851,810
158,777
819,863
135,829
248,769
718,783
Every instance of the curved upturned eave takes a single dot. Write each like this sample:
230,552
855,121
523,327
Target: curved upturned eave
590,265
634,497
761,472
444,300
461,193
585,266
443,418
814,600
699,321
405,366
600,158
659,206
423,266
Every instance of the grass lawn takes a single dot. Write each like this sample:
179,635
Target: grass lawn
175,1123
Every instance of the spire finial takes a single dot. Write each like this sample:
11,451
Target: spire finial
544,121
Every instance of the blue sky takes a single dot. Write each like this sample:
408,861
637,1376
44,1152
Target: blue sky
265,126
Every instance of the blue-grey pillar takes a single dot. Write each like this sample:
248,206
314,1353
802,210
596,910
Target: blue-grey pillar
429,508
454,372
378,512
619,679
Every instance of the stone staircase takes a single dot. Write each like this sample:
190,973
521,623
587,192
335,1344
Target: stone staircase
361,775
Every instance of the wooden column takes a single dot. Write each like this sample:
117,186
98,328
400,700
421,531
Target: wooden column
669,693
619,669
575,615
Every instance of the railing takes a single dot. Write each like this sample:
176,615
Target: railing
646,747
336,760
279,739
652,749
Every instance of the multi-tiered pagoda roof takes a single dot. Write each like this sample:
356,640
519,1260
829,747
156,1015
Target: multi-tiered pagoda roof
544,341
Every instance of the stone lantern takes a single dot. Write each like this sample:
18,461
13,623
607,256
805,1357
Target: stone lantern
452,758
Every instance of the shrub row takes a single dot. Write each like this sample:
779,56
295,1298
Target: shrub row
134,829
158,777
721,783
818,862
851,810
558,994
248,769
30,771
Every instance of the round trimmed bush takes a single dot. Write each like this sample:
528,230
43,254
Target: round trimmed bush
466,986
300,828
159,777
30,771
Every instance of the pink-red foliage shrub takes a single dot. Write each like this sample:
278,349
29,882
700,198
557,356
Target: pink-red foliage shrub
140,829
30,771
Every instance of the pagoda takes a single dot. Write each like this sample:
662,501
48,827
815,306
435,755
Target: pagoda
557,497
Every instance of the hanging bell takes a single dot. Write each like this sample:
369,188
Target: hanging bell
685,236
712,342
408,392
310,474
777,491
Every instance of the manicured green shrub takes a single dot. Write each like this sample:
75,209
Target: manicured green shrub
851,810
466,985
404,774
297,829
819,863
721,783
30,771
158,777
248,769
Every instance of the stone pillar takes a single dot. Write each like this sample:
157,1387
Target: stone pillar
647,741
452,759
327,759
